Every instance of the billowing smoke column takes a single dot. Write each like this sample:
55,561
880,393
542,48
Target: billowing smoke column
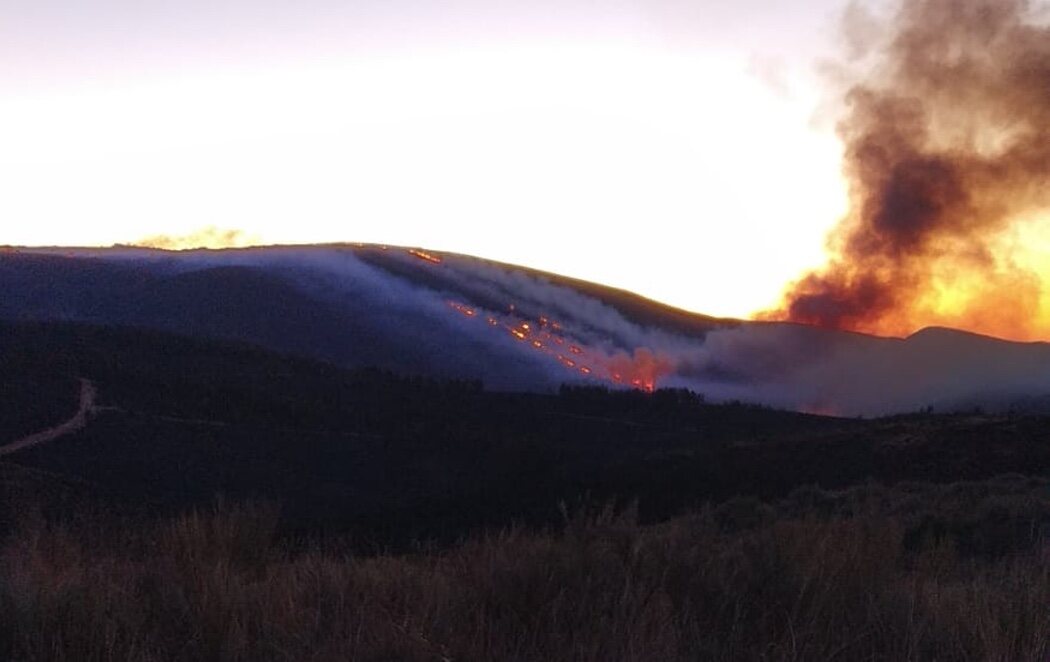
947,150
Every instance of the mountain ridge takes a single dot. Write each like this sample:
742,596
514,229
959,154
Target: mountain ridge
448,315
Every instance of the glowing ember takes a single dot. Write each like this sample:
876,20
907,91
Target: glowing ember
639,370
422,255
465,310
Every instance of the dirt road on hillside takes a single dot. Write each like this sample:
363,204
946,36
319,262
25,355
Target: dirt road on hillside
88,393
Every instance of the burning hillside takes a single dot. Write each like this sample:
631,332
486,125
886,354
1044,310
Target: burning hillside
641,370
424,313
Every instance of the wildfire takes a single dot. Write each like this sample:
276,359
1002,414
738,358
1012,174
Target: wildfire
423,255
947,153
464,310
542,334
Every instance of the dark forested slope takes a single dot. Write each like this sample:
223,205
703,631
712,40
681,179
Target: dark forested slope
181,420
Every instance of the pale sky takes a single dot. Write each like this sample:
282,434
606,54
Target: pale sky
673,148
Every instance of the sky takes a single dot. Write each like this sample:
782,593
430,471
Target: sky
680,149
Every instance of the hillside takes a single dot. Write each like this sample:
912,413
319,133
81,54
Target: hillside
446,316
396,459
228,502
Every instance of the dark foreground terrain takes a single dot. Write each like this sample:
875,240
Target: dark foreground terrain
915,572
227,503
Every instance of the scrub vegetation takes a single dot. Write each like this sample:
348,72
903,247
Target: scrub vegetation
951,572
226,503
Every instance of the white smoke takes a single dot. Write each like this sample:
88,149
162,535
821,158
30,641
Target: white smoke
402,304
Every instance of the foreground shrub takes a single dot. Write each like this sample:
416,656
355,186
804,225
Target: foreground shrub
819,576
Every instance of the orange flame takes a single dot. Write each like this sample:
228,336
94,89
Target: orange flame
947,154
642,368
423,255
465,310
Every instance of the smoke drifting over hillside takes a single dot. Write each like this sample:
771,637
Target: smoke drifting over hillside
947,150
424,313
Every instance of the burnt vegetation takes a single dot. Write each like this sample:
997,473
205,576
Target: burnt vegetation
226,502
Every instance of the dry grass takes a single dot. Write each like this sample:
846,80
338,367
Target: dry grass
741,581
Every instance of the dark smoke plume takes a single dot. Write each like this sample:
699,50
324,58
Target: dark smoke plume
947,151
